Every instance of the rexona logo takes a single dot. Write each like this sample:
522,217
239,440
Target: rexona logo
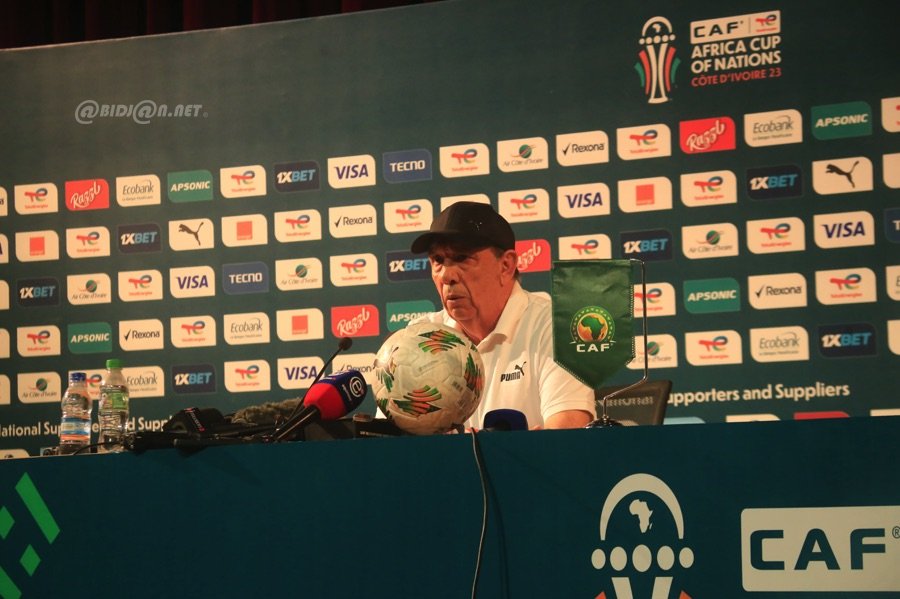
247,376
364,363
36,198
193,331
87,242
659,298
39,387
773,128
134,239
775,182
191,234
38,341
522,154
193,378
406,166
36,528
842,175
786,290
707,135
662,352
298,225
713,348
242,181
138,335
524,205
597,246
351,171
715,240
847,340
655,244
534,255
190,186
192,281
644,195
355,321
352,221
779,344
138,190
296,176
407,216
298,373
400,314
37,246
820,549
140,285
645,141
89,338
32,293
406,266
586,147
298,274
643,543
465,160
846,286
245,329
587,199
704,296
354,269
709,188
770,236
91,288
300,325
245,277
834,121
245,230
844,229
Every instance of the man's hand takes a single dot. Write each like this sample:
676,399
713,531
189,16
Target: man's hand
569,419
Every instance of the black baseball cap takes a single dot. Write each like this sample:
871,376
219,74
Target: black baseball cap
470,223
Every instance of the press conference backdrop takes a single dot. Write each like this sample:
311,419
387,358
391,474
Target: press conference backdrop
219,208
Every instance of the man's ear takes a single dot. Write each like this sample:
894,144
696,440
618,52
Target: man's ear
508,264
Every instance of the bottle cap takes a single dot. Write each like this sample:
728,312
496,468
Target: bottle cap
77,377
114,363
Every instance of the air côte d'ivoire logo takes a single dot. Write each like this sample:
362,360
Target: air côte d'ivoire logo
593,329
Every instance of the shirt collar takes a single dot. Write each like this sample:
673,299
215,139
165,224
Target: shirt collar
509,318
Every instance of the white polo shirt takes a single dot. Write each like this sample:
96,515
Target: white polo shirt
519,370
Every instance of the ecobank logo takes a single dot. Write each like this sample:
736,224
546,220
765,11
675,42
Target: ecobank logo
92,288
246,329
820,549
138,190
406,216
87,242
297,176
36,198
773,128
298,225
189,186
24,518
836,121
779,344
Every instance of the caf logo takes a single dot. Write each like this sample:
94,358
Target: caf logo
593,329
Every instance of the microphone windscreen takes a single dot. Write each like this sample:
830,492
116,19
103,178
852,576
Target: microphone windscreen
505,419
338,394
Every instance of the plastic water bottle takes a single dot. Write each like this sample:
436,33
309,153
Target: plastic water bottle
113,415
75,429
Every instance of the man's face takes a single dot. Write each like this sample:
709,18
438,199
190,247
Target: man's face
469,282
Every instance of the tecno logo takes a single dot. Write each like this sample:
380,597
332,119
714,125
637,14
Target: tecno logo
823,549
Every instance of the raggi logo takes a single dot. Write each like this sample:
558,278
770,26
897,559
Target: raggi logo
707,135
91,194
355,321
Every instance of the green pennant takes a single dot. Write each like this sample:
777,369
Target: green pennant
593,317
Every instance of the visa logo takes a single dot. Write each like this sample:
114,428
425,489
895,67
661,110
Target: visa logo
351,171
300,373
838,230
584,200
192,281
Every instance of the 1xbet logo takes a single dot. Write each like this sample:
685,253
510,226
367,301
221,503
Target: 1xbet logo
774,182
139,238
297,176
647,245
847,340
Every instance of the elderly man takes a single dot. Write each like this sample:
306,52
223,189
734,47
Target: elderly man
471,249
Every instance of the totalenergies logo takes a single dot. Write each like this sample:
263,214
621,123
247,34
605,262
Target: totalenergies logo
141,283
245,178
652,296
779,231
38,195
301,222
647,138
195,328
593,329
849,282
467,157
41,338
715,344
524,203
248,373
642,511
711,185
587,248
411,213
356,266
89,240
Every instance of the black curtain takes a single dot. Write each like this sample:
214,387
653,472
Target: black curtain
40,22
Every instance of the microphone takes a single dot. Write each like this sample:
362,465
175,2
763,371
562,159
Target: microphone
505,419
331,398
343,345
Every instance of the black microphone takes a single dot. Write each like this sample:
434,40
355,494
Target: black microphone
505,419
331,398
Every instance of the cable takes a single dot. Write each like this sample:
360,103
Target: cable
93,446
476,449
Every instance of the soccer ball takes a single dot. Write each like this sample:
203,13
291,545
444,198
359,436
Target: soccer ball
428,378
